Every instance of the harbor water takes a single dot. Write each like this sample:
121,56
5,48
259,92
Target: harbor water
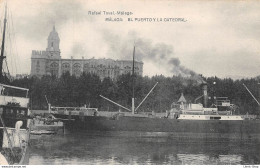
106,148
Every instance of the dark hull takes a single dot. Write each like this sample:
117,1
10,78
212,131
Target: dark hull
244,129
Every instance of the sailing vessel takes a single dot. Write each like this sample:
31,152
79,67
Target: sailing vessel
182,121
15,122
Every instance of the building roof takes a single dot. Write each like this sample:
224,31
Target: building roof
53,34
182,99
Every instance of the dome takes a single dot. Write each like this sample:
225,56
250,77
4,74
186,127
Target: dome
53,34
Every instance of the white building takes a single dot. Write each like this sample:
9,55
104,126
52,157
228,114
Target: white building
49,62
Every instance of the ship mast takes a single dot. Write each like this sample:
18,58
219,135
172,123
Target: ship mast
133,98
133,77
2,57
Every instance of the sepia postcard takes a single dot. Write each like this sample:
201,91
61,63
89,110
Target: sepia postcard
119,82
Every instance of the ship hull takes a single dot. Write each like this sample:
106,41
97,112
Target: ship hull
231,129
21,152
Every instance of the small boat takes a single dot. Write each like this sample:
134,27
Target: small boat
47,125
15,122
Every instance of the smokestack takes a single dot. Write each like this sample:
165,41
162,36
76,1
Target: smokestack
205,94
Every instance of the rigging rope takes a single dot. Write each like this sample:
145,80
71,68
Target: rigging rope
11,47
15,44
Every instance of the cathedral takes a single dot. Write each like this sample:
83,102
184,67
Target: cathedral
49,62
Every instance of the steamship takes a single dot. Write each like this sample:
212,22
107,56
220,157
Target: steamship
182,121
15,122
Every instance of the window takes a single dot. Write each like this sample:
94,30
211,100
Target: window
20,113
65,67
86,68
54,68
23,112
10,113
77,69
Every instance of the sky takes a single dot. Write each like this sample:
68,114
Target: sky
212,38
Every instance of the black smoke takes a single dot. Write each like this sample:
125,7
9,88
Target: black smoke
160,54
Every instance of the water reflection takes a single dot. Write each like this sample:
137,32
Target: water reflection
138,148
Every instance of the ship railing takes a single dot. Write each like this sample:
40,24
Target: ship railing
3,88
249,117
71,108
9,95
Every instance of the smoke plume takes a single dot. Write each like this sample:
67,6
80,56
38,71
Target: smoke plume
160,54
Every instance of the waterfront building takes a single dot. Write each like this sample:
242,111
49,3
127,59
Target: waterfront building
49,62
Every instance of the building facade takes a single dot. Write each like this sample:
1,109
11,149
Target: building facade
49,62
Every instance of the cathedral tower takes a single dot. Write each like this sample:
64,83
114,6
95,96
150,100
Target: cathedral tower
53,48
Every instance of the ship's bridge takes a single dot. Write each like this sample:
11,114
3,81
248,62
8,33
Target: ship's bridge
12,95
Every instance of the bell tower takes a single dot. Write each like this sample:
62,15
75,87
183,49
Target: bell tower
53,48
